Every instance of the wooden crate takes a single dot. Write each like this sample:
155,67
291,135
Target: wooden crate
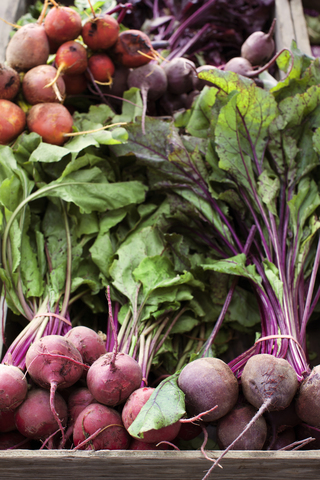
291,25
169,465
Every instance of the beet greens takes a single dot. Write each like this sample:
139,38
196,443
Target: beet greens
239,167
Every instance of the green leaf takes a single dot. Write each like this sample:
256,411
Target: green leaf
47,153
201,113
30,272
268,190
147,242
92,195
272,274
165,406
234,266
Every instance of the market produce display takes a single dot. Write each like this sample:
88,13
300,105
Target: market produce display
154,205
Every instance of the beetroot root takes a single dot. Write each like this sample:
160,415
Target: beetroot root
14,387
34,418
12,121
207,382
111,382
113,435
9,82
28,48
88,342
232,424
268,378
131,409
308,400
51,121
35,81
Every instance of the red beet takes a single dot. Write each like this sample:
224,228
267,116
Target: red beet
88,342
34,85
207,382
181,74
111,382
133,49
231,425
94,417
12,121
259,47
14,387
51,121
9,82
28,47
71,58
308,400
53,362
62,24
100,32
34,418
133,406
101,67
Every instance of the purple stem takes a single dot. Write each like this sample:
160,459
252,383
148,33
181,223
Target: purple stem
174,38
306,313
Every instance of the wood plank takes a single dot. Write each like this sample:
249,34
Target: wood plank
300,27
284,31
10,10
160,465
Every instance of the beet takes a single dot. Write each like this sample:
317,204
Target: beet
9,82
34,418
207,382
239,65
62,24
231,425
88,342
133,49
101,68
28,48
308,400
12,121
94,417
100,32
268,378
54,362
71,58
14,387
259,47
133,406
34,85
181,75
51,121
112,378
152,81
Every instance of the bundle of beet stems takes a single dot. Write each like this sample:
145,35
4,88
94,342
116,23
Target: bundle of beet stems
244,164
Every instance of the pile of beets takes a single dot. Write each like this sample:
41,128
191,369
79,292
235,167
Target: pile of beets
100,59
76,395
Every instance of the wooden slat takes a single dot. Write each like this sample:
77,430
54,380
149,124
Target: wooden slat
284,31
10,10
160,465
300,26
